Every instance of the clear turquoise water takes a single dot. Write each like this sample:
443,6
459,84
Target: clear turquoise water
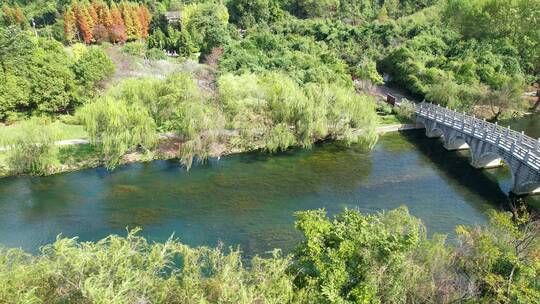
249,200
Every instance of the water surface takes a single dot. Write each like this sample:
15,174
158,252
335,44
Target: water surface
249,200
530,124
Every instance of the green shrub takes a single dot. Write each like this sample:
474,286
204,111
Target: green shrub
350,258
155,54
33,150
135,48
384,108
93,66
247,13
367,70
406,109
132,270
301,57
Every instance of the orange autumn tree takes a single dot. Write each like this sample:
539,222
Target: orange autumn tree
104,15
84,23
13,16
8,15
118,29
144,20
70,25
93,14
97,22
19,16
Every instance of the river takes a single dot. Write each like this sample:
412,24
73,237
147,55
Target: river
249,200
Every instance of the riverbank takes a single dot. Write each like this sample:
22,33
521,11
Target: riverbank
79,154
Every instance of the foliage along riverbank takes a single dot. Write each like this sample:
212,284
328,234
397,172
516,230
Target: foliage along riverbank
350,258
79,154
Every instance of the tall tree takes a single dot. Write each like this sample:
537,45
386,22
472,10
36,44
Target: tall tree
83,23
70,25
116,15
8,15
20,19
383,14
129,22
104,15
14,16
93,13
144,19
118,28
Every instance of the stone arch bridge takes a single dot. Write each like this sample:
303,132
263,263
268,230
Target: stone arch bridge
490,144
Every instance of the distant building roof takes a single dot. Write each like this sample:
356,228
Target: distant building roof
173,16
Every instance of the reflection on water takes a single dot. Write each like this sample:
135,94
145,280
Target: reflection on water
249,200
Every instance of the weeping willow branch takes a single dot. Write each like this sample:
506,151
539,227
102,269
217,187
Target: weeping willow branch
117,127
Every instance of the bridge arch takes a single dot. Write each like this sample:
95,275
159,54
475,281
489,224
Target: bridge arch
532,187
432,129
487,159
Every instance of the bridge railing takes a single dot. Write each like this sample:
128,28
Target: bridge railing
517,144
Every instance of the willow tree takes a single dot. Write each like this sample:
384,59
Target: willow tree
200,124
288,104
276,112
318,111
32,150
178,105
351,116
117,127
244,104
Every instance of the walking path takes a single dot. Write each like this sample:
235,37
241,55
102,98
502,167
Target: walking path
380,130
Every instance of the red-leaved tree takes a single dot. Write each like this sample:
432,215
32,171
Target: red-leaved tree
97,22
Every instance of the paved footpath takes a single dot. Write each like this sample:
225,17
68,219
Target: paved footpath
380,130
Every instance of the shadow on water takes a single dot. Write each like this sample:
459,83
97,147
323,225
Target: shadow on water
456,169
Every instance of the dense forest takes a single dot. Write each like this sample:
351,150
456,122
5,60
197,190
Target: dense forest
194,79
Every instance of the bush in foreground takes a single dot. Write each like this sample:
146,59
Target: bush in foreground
352,258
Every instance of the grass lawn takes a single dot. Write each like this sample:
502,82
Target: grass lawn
392,119
74,154
65,131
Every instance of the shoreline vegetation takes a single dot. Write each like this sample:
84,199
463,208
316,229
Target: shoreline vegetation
79,154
